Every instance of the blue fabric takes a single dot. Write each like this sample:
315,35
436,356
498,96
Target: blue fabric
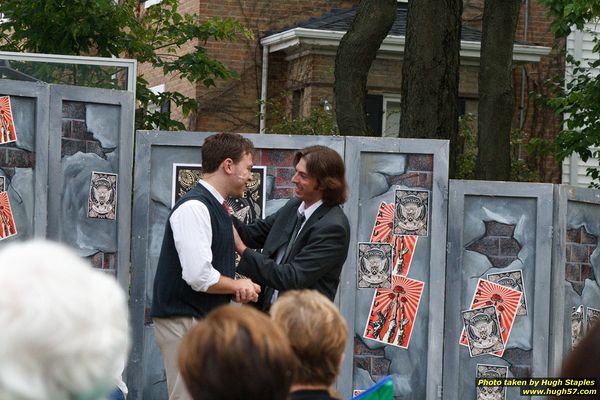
116,395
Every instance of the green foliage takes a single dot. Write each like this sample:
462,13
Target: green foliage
318,122
567,14
108,28
576,98
466,160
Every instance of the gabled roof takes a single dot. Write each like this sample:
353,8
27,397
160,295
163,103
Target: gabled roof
341,19
326,31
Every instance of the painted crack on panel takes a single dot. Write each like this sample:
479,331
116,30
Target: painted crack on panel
498,244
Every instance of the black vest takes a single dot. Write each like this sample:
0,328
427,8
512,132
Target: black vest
173,297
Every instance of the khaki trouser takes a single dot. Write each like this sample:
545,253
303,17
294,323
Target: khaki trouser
168,333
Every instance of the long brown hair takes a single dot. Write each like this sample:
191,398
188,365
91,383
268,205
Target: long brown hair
327,167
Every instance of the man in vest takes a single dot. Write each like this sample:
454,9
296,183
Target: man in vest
305,243
196,267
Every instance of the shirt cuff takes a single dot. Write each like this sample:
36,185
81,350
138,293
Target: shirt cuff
212,278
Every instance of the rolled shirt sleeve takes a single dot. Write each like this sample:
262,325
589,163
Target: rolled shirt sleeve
192,234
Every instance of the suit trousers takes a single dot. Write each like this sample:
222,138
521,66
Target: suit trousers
168,333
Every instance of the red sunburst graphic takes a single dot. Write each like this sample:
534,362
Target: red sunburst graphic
7,222
393,312
506,300
7,124
403,245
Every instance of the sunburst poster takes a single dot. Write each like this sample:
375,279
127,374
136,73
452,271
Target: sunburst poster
394,311
505,299
404,246
7,124
7,221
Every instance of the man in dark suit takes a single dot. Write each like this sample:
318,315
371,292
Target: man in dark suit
305,243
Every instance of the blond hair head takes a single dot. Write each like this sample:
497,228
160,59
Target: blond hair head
317,333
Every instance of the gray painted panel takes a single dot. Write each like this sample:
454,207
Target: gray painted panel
27,190
370,161
155,153
110,122
577,209
525,207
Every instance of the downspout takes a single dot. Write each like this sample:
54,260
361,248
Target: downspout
522,105
263,89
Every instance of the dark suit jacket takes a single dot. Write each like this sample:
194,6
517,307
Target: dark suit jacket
315,260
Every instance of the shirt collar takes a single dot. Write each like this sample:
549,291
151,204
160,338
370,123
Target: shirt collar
310,210
212,190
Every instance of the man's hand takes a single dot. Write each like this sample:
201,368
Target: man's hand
240,247
246,291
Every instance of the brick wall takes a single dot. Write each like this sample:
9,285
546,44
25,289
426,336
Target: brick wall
280,167
75,136
497,244
12,157
232,105
579,247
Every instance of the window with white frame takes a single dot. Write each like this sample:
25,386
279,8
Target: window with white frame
149,3
390,125
164,108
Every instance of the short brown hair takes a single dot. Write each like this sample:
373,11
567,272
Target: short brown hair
240,343
217,148
327,167
317,333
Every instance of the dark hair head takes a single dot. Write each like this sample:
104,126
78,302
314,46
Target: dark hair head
240,343
584,360
217,148
327,167
317,333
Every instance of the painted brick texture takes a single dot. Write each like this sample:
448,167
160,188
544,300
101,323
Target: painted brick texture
497,244
579,247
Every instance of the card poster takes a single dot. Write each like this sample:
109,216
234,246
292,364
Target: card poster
394,311
8,132
8,227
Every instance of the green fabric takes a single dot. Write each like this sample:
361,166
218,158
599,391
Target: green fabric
383,390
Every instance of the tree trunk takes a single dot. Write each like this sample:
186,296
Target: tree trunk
354,57
496,97
430,72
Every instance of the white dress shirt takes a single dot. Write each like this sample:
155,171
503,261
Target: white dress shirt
192,234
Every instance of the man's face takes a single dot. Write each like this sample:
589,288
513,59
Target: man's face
306,185
241,175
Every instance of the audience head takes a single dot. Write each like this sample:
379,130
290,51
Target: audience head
236,353
64,326
584,360
317,333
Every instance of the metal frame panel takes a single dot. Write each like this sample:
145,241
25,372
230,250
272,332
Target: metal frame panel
565,196
130,64
40,92
355,148
146,143
543,195
125,100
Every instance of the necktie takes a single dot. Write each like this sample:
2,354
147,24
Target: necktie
226,207
299,221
